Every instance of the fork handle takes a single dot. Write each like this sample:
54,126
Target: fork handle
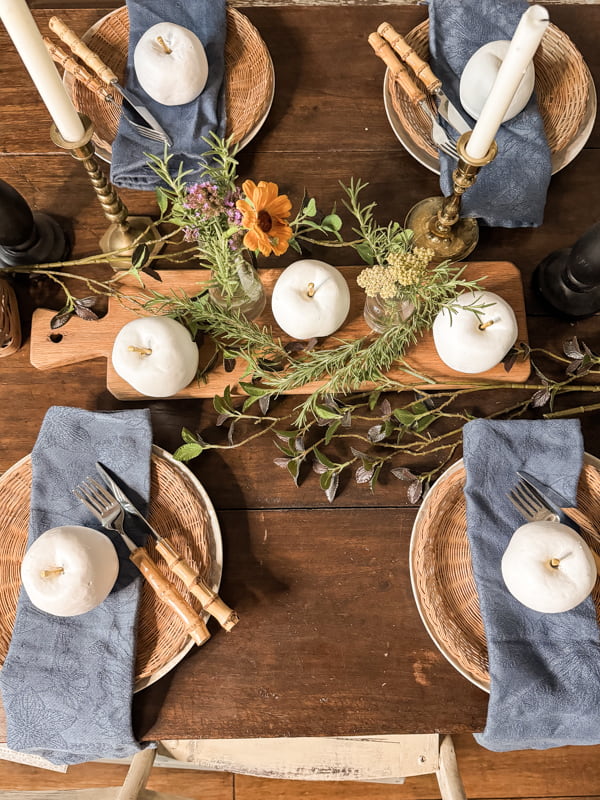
582,519
421,68
211,602
71,66
169,595
396,67
80,48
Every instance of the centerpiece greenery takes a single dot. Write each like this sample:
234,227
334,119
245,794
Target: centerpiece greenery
215,223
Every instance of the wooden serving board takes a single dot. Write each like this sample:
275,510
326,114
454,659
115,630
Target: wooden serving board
81,340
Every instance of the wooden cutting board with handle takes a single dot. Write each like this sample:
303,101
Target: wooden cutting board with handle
81,340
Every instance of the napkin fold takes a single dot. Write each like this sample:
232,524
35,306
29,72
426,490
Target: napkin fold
187,123
511,191
67,682
544,668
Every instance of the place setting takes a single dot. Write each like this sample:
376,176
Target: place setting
563,85
103,506
248,74
507,586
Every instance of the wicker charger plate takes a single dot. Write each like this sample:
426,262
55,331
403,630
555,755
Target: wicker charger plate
249,87
179,508
442,575
565,92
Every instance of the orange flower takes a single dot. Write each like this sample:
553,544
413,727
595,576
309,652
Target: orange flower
265,214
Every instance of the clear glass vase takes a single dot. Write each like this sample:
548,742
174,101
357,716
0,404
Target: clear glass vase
381,313
248,298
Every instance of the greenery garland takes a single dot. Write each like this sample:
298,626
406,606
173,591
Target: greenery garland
209,228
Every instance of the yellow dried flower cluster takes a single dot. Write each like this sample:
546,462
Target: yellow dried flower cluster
403,269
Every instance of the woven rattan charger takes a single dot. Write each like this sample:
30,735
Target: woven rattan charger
442,575
249,78
563,85
179,508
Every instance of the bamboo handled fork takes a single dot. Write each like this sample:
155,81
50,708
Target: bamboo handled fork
109,512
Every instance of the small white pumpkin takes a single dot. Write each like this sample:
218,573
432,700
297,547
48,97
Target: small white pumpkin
310,299
170,64
69,570
471,343
548,567
155,355
480,73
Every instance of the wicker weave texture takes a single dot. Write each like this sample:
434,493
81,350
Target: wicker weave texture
248,70
443,576
562,81
176,510
10,323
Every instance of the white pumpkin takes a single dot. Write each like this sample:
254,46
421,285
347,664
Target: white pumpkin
310,299
69,570
548,567
155,355
170,64
471,343
479,75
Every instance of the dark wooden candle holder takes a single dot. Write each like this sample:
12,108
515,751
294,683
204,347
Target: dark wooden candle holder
28,237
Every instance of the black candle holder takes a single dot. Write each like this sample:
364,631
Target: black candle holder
569,279
28,237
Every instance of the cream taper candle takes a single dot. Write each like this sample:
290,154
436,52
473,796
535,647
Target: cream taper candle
525,41
27,39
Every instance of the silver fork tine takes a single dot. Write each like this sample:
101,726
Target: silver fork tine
440,138
449,151
523,511
526,501
528,493
80,496
143,130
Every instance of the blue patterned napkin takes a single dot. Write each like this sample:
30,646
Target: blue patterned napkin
185,124
67,682
511,191
544,668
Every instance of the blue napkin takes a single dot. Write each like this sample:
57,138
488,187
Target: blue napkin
511,191
185,124
67,682
544,668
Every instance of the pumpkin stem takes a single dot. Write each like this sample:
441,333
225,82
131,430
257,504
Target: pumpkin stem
164,45
48,573
143,351
554,562
487,324
311,290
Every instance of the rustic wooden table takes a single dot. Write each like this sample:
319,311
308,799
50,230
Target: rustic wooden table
330,641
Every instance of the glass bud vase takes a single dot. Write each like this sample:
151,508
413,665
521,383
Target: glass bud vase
248,298
381,313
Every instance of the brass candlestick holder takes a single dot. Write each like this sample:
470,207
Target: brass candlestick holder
124,232
436,221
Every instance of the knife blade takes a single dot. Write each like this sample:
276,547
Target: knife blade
558,503
425,74
105,73
211,602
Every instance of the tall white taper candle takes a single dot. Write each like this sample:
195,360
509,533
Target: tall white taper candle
524,43
26,37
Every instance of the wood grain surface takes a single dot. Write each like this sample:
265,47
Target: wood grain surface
330,641
80,340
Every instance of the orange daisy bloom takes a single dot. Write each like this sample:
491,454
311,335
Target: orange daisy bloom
265,217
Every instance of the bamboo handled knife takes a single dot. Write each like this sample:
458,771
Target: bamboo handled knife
211,602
